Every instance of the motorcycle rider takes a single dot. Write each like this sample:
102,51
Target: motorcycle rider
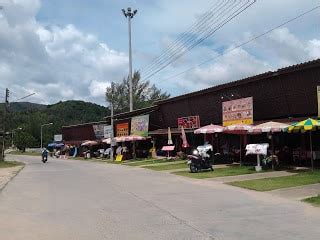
44,155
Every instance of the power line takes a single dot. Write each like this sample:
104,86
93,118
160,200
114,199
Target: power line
242,44
201,31
206,30
183,35
238,11
31,94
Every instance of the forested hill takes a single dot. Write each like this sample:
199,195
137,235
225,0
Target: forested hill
30,116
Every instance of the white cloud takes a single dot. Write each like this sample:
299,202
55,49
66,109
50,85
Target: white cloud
56,62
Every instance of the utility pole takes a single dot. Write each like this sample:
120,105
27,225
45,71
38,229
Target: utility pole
5,113
129,14
112,132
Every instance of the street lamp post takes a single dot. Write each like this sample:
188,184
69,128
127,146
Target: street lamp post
47,124
129,14
12,135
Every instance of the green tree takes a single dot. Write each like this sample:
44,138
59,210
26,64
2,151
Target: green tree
144,94
24,140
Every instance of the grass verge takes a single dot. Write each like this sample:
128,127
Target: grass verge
315,201
170,166
147,162
268,184
7,164
219,172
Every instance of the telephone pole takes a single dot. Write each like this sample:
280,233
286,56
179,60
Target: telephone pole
4,127
130,14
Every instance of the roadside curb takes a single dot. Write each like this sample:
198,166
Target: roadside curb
15,173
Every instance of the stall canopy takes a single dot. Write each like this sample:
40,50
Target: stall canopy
130,138
209,129
304,126
269,127
107,140
89,143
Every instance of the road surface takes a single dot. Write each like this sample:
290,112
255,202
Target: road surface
69,199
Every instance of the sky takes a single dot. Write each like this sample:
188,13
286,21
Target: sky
73,49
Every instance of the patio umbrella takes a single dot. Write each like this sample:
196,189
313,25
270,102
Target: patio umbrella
304,126
89,143
169,137
107,140
210,129
267,127
185,143
238,129
270,127
131,138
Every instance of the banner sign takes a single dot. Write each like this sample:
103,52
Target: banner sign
257,149
140,125
57,138
237,111
190,122
99,130
122,129
107,131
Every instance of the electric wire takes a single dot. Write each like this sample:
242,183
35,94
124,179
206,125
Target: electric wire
184,35
203,29
242,44
210,33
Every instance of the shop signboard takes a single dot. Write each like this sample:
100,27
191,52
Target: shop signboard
190,122
318,98
122,129
99,130
237,111
57,138
107,131
140,125
257,149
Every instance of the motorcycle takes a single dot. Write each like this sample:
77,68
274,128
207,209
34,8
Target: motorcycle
44,155
200,159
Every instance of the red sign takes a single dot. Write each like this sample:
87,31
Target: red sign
122,129
190,122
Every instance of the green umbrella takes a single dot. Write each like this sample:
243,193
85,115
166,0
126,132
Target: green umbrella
304,126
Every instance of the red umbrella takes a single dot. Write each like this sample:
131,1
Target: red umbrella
238,129
107,140
89,143
209,129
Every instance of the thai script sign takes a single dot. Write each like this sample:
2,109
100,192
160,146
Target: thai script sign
140,125
99,130
190,122
107,131
257,149
122,129
237,111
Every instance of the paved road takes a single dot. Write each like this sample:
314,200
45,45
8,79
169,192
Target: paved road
66,199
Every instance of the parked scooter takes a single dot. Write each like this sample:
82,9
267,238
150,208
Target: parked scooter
200,159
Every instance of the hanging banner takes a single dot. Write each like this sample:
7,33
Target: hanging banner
107,131
237,111
318,98
99,130
190,122
140,125
122,129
